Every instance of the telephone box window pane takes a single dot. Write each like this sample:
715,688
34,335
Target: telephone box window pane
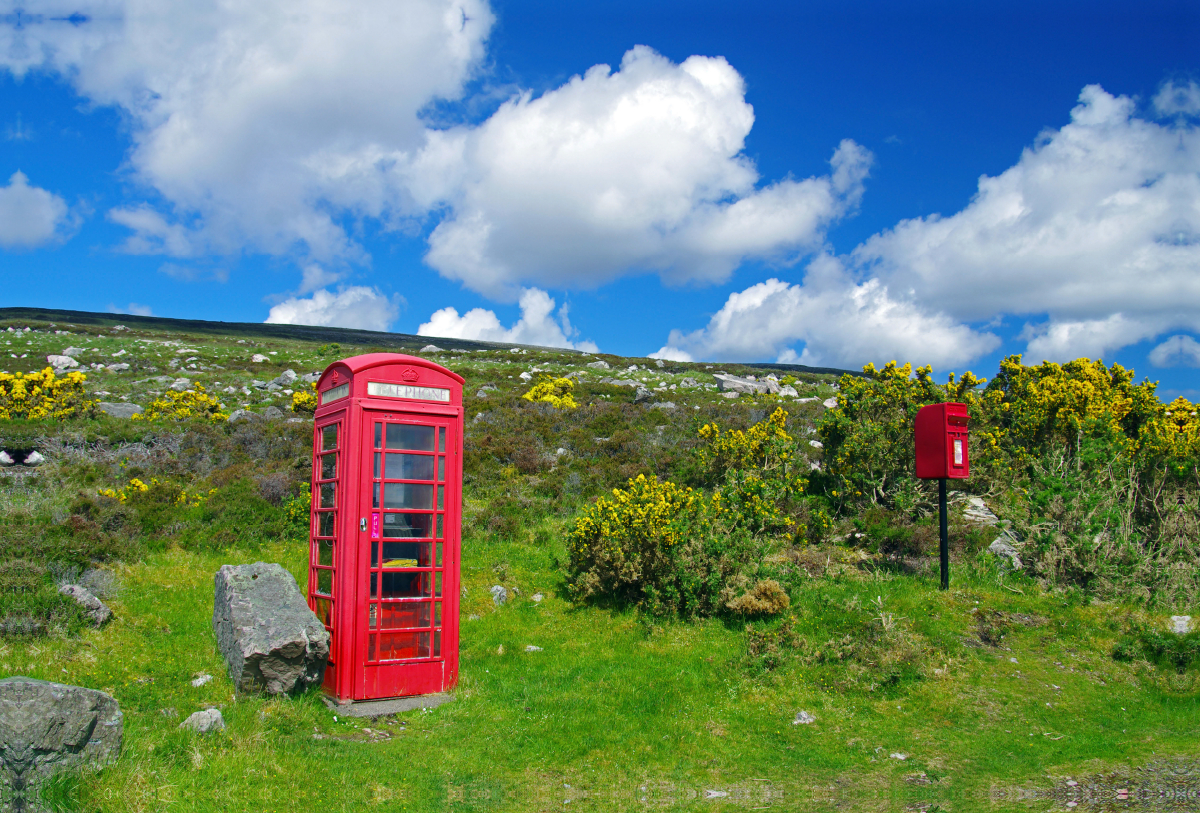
439,526
374,585
437,613
373,616
325,523
441,438
441,497
399,584
407,526
328,466
329,437
407,495
325,552
439,557
409,467
414,438
437,585
376,474
327,490
378,437
437,643
397,645
375,494
371,647
441,469
324,582
404,615
406,554
323,608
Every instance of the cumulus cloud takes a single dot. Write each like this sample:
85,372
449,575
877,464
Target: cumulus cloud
619,172
1177,351
1175,98
1095,231
537,325
29,216
357,307
132,308
262,125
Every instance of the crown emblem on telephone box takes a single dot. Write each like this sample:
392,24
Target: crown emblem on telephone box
408,374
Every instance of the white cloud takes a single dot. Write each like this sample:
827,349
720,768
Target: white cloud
1095,230
1175,98
536,326
619,172
29,216
254,121
357,307
132,308
1177,351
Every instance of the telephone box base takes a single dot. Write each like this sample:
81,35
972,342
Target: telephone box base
380,708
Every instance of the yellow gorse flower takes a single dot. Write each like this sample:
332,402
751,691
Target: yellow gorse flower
182,406
555,392
42,395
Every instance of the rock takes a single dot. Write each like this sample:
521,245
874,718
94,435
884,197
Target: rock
1004,546
621,382
119,410
201,680
789,391
119,328
499,595
1012,660
537,598
532,648
60,363
310,378
749,386
272,413
259,358
117,368
668,405
525,377
642,395
829,403
899,756
286,378
6,459
803,718
599,365
978,512
48,727
481,394
94,607
816,444
659,363
689,382
1181,624
273,387
269,638
205,721
730,394
180,385
431,348
118,354
806,400
74,351
243,415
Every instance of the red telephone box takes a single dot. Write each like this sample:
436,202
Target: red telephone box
386,515
941,435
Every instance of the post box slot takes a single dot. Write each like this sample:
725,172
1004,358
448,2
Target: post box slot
956,420
407,526
409,466
407,495
409,437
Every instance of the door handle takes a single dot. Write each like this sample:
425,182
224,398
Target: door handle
362,525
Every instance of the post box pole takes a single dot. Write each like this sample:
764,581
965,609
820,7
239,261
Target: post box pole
944,532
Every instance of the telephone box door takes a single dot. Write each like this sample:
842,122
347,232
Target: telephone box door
407,613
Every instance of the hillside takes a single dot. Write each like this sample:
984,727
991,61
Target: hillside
996,694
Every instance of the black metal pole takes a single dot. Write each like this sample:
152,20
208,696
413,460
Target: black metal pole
944,529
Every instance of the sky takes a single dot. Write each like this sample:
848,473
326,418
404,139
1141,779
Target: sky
825,183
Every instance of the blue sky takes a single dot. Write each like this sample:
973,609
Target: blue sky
753,181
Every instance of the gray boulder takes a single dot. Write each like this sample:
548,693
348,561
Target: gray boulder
96,609
270,639
599,365
46,728
34,459
60,363
642,395
74,351
749,386
1005,547
119,410
789,391
431,348
272,413
119,367
668,405
829,403
180,385
286,378
6,459
204,721
310,378
243,415
978,513
1181,624
499,595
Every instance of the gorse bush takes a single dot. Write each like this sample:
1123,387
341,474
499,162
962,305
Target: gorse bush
555,392
305,402
41,396
193,404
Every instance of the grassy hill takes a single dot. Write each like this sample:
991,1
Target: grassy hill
992,695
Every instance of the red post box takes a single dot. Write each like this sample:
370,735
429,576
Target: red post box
386,514
941,433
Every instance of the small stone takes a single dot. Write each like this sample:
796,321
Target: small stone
96,610
532,648
431,348
272,413
500,649
499,595
243,415
729,395
180,385
667,405
74,351
803,718
34,459
1012,660
537,598
6,459
599,365
286,378
816,444
641,395
205,721
789,390
119,410
1004,547
201,680
117,368
659,363
829,403
525,377
898,756
169,711
60,363
481,393
472,617
310,378
1181,624
259,358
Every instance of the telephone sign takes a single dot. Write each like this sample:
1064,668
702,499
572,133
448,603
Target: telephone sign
386,514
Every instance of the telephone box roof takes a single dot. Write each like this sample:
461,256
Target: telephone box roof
368,360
